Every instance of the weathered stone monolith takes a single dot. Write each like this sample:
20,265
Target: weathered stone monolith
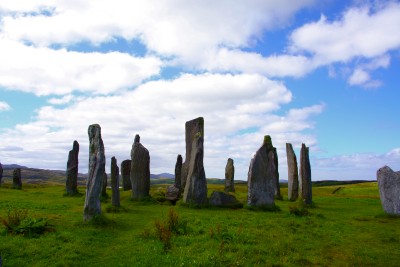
191,129
178,172
104,185
277,185
1,173
94,183
293,173
72,170
229,176
126,175
305,175
115,183
262,176
389,189
224,200
17,181
140,170
196,184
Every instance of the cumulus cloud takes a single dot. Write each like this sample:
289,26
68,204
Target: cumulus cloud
360,32
158,110
45,71
4,106
60,101
367,33
186,30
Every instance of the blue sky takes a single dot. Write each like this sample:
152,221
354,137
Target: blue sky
324,73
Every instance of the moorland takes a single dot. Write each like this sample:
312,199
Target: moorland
345,226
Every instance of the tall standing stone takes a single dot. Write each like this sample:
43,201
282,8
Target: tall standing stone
196,184
104,185
94,183
72,170
140,170
191,129
229,176
277,185
389,190
1,173
126,175
305,175
115,183
293,173
178,172
17,181
262,176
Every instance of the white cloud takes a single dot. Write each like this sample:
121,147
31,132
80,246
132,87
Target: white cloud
60,101
184,29
250,62
359,33
45,71
367,33
359,77
4,106
157,110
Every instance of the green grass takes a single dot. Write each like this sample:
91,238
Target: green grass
347,228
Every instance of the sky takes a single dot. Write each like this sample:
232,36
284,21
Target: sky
325,73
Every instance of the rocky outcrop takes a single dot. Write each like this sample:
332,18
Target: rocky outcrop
115,183
293,173
173,193
305,175
389,189
191,129
1,173
178,172
94,183
72,170
196,184
224,200
140,170
277,185
229,176
126,175
17,181
262,176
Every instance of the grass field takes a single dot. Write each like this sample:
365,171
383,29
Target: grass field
347,228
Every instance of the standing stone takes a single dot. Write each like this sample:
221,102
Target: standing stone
191,129
140,170
196,184
277,185
17,181
115,182
262,176
104,185
178,172
305,175
94,183
126,175
293,176
1,173
72,170
389,189
229,176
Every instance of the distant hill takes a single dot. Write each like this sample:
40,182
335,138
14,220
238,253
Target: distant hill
13,166
162,175
33,175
